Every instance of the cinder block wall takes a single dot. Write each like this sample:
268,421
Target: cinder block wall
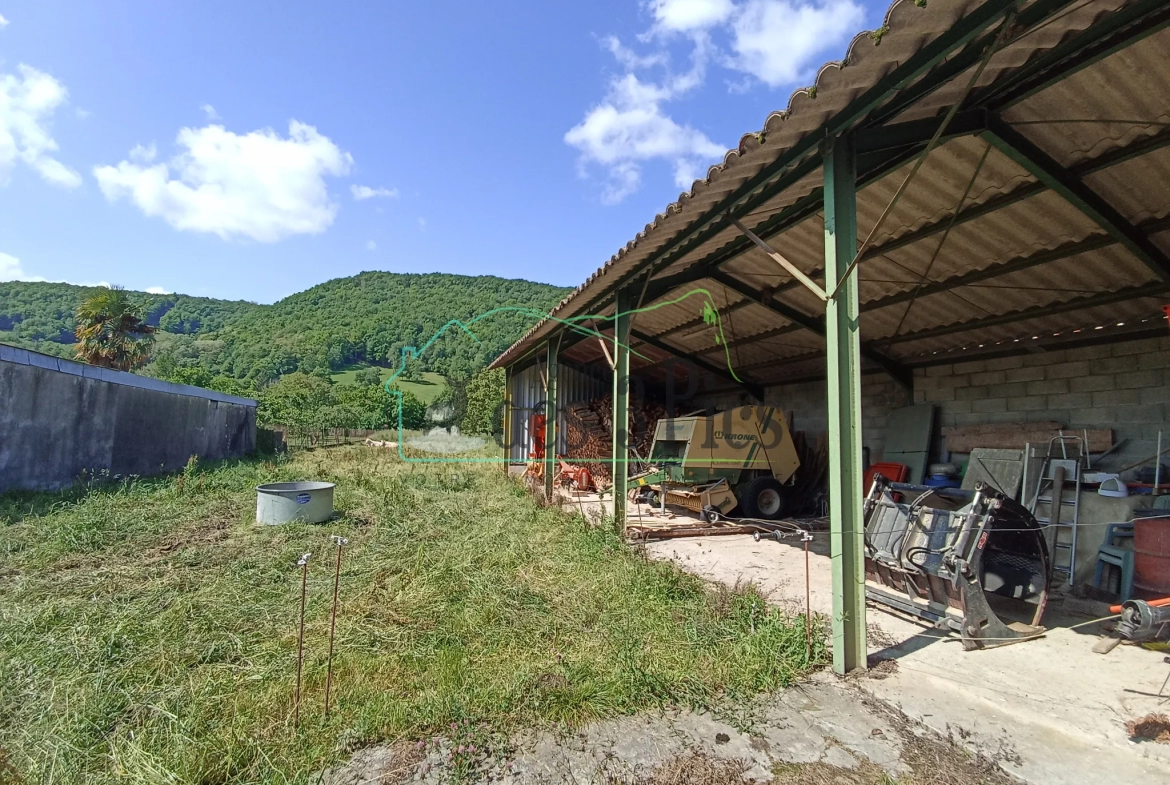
1121,386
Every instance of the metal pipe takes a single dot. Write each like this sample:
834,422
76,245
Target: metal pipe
303,563
341,541
1158,464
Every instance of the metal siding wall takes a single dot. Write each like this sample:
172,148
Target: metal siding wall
528,393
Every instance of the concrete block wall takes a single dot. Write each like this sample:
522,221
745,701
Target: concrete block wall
1124,386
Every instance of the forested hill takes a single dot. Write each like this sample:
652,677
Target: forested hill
40,315
370,317
364,318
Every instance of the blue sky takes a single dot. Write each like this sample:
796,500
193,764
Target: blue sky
251,150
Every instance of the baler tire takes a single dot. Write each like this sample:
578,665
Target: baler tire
773,507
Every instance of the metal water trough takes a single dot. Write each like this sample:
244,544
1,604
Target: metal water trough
938,553
281,502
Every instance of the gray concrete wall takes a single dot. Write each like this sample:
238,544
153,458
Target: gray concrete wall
1121,386
60,419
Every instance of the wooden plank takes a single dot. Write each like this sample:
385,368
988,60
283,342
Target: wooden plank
1013,436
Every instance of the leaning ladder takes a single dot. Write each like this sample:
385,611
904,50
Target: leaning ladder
1061,472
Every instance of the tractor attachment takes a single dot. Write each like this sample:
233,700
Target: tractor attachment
938,553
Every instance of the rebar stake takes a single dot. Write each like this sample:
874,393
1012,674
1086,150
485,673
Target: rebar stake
806,538
303,563
341,541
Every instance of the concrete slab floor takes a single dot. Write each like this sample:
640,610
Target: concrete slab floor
820,731
1050,710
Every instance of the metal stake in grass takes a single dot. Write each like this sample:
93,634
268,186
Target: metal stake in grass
303,563
806,538
341,542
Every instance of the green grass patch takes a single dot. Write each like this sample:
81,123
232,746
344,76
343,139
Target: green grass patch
426,390
148,628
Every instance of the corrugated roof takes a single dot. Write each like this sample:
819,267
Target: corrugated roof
1020,260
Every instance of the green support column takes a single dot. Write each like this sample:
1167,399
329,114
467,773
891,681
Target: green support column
621,405
551,409
844,389
507,419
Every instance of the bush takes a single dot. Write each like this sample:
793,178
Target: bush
484,403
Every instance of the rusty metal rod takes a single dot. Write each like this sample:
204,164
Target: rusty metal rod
303,563
341,541
807,601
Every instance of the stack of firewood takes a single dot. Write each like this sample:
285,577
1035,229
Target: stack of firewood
589,434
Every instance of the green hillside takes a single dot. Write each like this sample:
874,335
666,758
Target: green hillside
370,317
336,326
40,315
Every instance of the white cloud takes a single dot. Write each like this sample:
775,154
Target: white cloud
778,41
27,103
630,128
371,245
157,290
3,22
257,185
685,16
363,192
209,110
422,224
770,41
11,270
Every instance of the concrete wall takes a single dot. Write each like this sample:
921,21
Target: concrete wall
59,419
1121,386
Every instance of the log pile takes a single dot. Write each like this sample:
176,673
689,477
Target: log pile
589,434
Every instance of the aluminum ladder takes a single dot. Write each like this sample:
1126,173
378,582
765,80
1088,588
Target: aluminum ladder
1060,465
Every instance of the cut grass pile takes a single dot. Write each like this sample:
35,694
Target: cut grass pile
148,628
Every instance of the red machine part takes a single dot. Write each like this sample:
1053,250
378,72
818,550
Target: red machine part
536,425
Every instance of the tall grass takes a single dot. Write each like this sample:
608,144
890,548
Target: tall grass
148,628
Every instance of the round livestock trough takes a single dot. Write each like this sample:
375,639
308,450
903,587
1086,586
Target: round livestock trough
281,502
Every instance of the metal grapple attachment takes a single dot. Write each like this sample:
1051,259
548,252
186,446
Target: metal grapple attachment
946,555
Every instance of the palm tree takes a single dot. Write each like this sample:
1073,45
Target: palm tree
111,333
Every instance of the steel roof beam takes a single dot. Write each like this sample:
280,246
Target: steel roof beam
1044,168
1067,306
723,373
814,324
1064,251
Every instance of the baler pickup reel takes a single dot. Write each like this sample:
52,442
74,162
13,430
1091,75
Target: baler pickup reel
945,554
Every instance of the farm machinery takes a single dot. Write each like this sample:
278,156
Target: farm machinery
741,460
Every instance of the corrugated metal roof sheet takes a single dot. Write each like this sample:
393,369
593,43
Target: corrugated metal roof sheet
1125,95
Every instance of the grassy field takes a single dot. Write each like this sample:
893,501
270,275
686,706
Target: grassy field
426,390
148,629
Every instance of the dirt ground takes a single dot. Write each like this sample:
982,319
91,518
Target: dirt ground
822,732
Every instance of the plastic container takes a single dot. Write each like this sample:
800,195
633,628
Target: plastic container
281,502
1151,553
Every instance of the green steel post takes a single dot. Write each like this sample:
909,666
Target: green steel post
621,404
844,388
551,409
507,419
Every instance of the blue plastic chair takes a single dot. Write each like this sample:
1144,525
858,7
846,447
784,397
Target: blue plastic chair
1117,556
